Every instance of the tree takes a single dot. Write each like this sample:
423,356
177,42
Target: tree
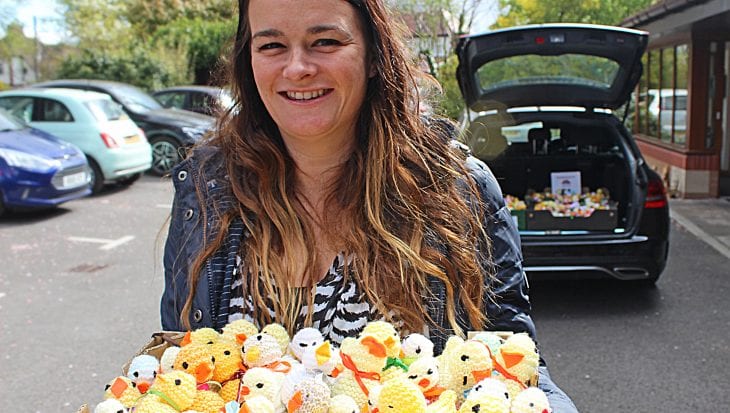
610,12
98,24
15,45
147,16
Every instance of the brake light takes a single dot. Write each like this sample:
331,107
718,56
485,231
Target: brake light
109,141
656,194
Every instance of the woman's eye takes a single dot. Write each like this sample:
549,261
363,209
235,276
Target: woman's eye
326,42
270,46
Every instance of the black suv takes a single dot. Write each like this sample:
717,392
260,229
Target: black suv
540,112
169,131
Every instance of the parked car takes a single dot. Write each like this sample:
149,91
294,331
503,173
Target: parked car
115,147
540,102
38,170
208,100
665,103
169,131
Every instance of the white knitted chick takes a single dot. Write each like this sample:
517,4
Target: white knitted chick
303,339
414,346
110,406
531,400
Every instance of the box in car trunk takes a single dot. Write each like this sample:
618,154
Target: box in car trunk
599,220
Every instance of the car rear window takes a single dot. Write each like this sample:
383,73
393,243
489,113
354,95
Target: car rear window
105,110
593,71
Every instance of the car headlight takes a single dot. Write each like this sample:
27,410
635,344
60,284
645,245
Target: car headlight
27,161
195,133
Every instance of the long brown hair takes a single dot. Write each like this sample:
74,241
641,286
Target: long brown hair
401,199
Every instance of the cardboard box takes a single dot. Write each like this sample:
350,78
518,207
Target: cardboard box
600,220
157,345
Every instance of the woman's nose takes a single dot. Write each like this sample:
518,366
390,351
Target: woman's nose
300,65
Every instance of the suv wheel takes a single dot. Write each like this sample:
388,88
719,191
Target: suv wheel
165,154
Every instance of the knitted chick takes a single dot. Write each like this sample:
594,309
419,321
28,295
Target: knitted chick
239,330
167,360
110,406
260,381
463,365
491,386
174,391
363,358
203,335
414,346
531,400
490,339
485,403
197,360
424,373
143,370
304,339
279,333
387,334
311,395
261,350
207,401
446,403
399,395
323,358
256,404
343,404
229,367
518,359
123,389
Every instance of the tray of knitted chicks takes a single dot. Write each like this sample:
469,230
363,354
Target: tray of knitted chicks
247,370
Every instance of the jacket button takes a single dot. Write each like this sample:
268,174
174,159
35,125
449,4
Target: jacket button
188,214
182,175
197,316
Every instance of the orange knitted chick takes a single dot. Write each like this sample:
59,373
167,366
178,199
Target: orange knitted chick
203,335
122,389
229,367
207,401
197,360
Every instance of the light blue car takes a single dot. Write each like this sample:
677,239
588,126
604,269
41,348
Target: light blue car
116,148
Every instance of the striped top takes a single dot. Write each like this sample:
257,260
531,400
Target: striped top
340,308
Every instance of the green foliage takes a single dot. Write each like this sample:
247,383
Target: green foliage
204,40
610,12
450,104
148,69
98,25
15,44
147,16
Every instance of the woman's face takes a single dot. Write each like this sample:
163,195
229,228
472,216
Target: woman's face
309,60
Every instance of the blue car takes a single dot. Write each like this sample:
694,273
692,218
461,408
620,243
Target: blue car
38,170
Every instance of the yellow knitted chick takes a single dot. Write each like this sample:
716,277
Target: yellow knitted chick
446,403
239,330
485,403
386,333
207,401
399,395
311,395
517,358
229,367
531,400
122,389
463,365
257,404
175,389
197,360
203,335
260,381
363,358
279,333
424,373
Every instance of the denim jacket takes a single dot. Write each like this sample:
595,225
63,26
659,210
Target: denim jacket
509,310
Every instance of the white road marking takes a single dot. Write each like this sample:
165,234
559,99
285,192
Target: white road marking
108,243
699,233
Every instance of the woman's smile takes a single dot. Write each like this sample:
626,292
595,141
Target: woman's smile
306,96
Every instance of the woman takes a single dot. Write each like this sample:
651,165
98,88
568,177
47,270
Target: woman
324,199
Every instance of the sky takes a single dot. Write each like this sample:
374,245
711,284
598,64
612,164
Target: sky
49,18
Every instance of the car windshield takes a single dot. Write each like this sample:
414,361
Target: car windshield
9,122
135,99
105,110
574,69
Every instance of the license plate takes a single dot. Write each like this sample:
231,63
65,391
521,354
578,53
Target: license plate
131,139
76,179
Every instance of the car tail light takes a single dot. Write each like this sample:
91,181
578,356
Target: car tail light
109,141
656,194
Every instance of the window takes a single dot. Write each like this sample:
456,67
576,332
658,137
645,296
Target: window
19,106
661,100
53,111
172,100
